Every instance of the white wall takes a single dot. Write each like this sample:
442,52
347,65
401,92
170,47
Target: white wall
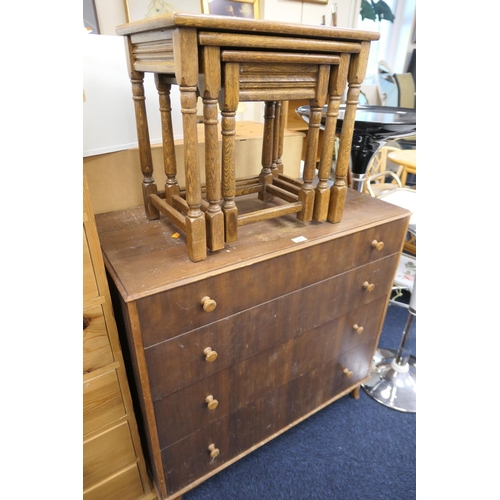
108,109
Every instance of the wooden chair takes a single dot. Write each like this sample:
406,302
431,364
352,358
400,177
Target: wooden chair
406,90
379,180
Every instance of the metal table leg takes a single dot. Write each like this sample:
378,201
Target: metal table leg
393,379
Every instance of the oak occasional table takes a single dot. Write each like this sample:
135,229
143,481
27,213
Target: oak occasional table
228,353
226,60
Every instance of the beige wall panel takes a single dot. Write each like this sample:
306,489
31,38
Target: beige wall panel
115,179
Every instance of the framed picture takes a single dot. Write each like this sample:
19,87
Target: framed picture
236,8
324,2
141,9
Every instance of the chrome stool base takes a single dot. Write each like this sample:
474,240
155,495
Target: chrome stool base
393,385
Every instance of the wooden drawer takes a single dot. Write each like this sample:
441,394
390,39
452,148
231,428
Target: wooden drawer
358,362
233,388
249,380
189,459
106,454
303,268
179,362
96,347
124,486
90,288
102,400
369,317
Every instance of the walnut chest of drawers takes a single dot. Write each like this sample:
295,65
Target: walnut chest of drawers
229,352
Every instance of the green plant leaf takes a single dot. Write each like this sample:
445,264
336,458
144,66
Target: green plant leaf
367,11
383,11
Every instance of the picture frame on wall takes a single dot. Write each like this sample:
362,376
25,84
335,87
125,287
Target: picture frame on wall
249,9
143,9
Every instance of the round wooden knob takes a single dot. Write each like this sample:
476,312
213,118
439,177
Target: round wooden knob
368,286
378,245
208,304
210,355
347,372
211,402
214,452
359,329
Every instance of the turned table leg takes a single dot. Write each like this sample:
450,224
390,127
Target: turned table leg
266,174
355,77
186,72
278,132
228,105
145,157
306,193
337,84
169,162
210,87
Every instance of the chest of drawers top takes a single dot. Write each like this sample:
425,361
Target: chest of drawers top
146,257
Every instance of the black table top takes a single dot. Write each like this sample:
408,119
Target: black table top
377,121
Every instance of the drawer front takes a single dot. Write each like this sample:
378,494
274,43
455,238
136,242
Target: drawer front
106,454
233,388
354,366
179,362
237,290
125,486
189,459
251,379
96,347
90,289
102,401
362,324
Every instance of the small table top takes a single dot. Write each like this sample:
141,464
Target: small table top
405,157
172,20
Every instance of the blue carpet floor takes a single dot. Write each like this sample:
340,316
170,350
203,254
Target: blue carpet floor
350,450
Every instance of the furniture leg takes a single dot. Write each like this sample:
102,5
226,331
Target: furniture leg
355,392
186,71
356,76
210,86
277,141
229,105
145,157
306,193
281,133
266,174
337,84
171,184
